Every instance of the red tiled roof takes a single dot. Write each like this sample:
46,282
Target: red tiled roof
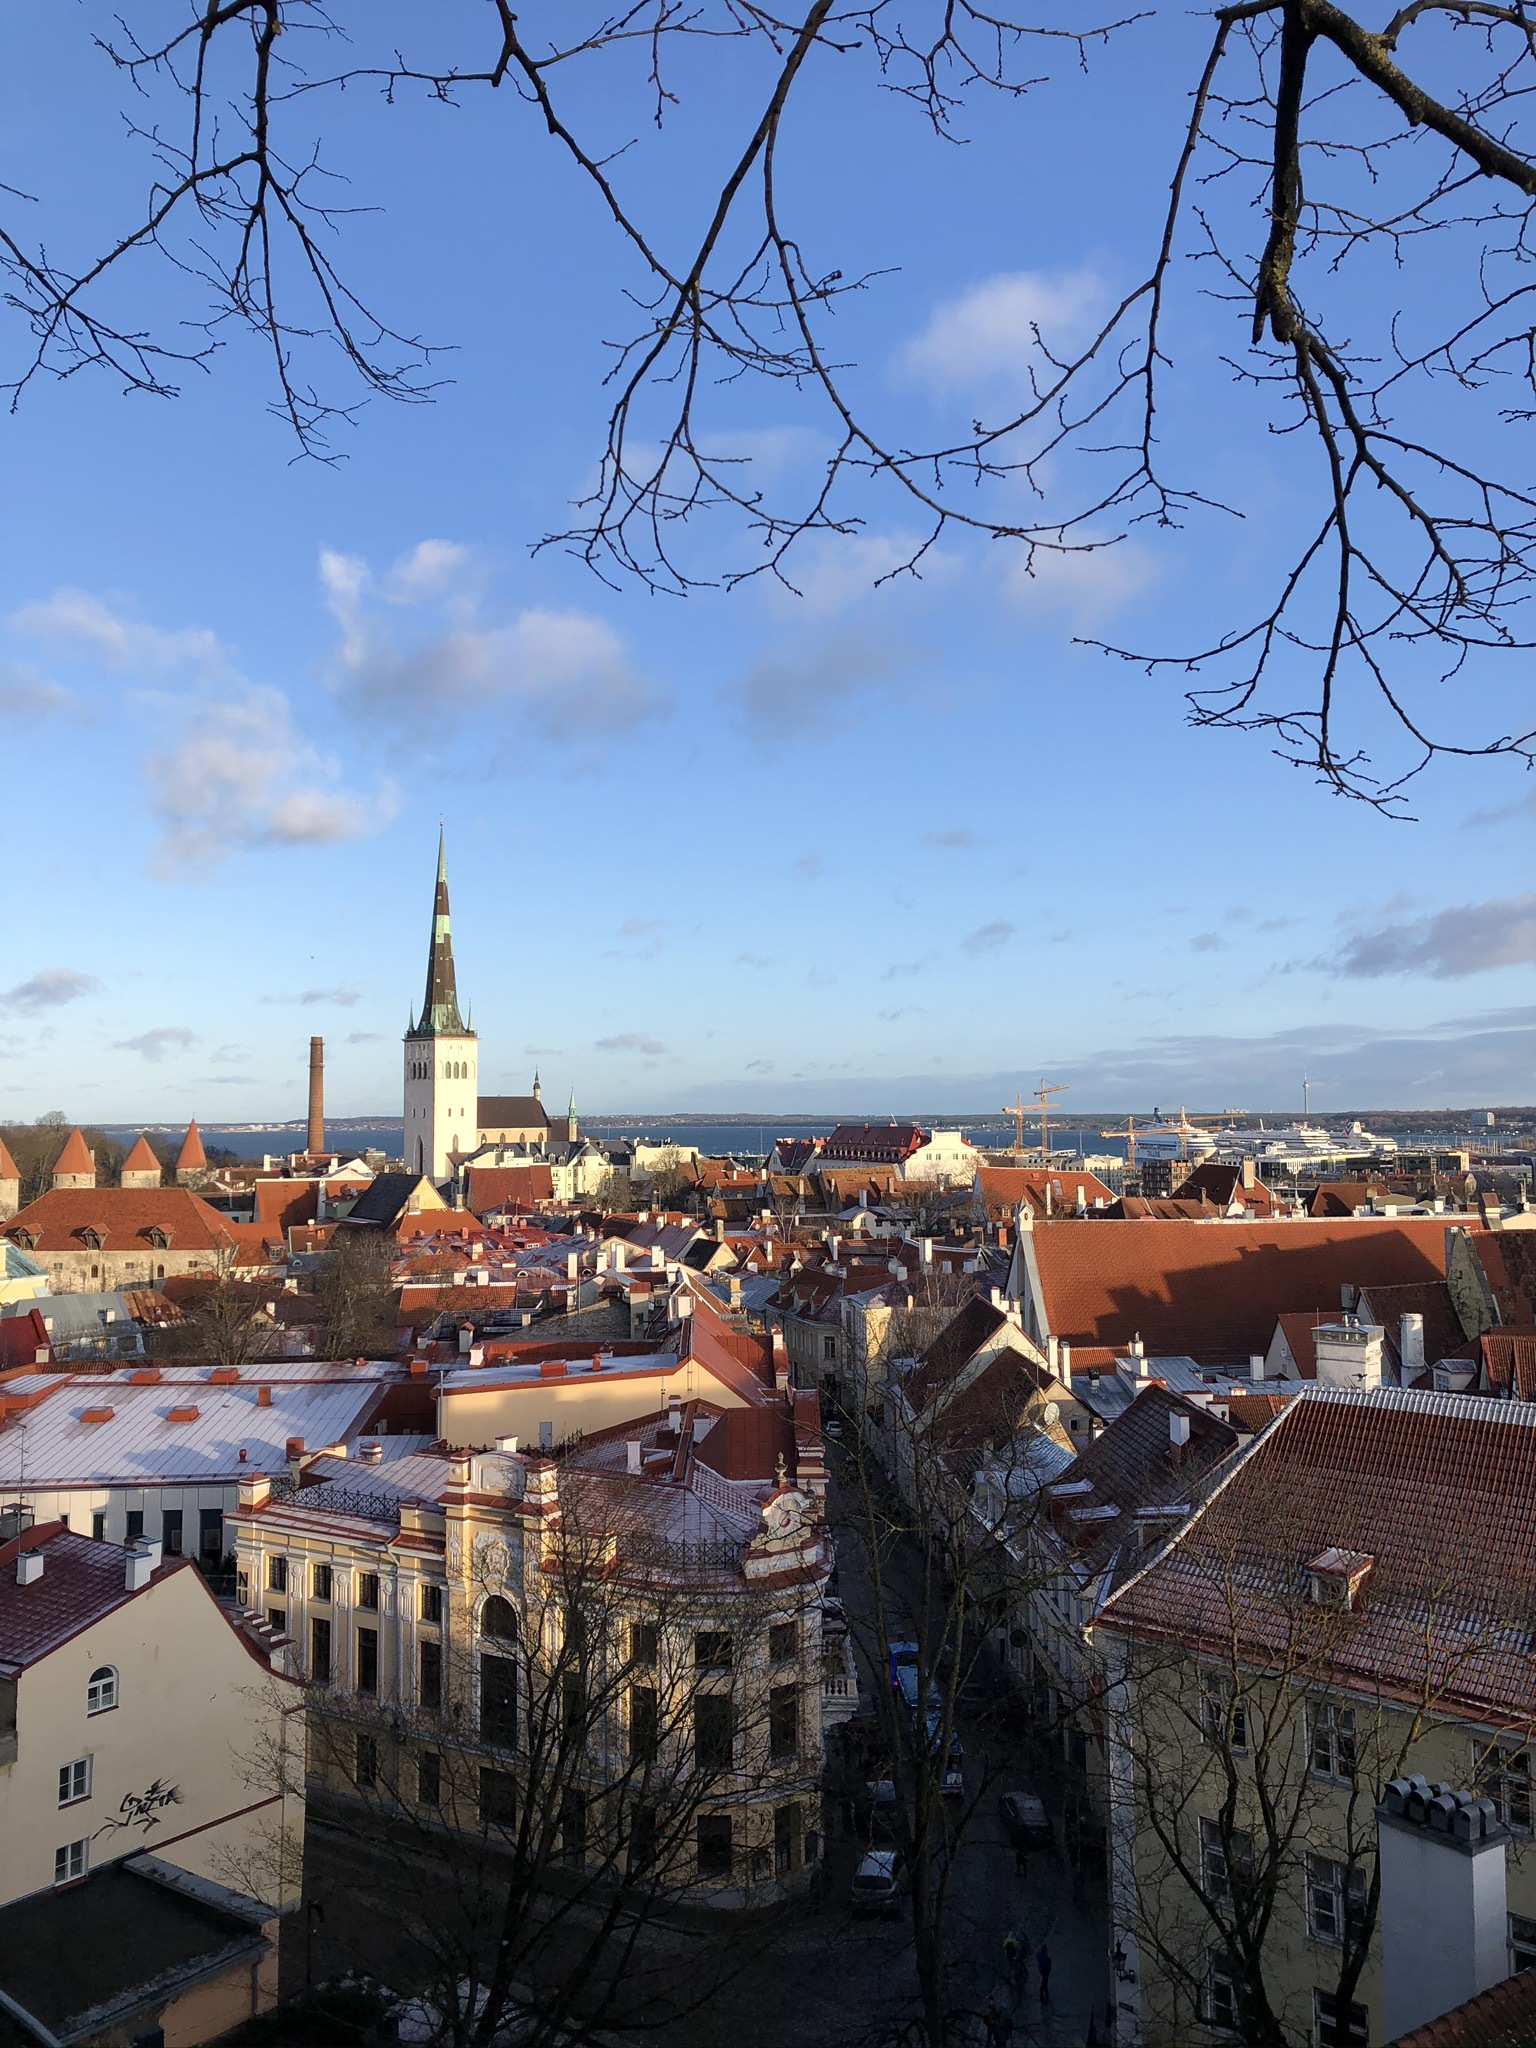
1002,1188
280,1204
141,1159
76,1157
1163,1209
1508,1259
746,1443
8,1167
1215,1291
1504,2016
1252,1411
884,1143
1430,1299
125,1218
491,1186
1133,1464
1342,1197
1438,1489
191,1154
1301,1335
1508,1360
82,1582
21,1339
1223,1184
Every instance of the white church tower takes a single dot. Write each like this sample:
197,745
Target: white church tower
441,1058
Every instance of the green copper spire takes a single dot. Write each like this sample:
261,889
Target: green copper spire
440,1011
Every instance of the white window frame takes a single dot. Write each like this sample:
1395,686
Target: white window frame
1222,1977
1224,1714
75,1781
1319,1993
101,1692
1335,1890
1505,1775
1215,1866
1333,1735
72,1861
1522,1942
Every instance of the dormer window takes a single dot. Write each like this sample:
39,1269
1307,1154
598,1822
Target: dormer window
91,1238
159,1237
1336,1578
25,1239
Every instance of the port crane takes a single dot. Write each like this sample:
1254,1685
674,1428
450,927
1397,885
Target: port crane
1017,1109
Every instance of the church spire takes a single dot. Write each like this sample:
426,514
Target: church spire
440,1010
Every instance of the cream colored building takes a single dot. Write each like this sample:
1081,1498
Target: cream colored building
1350,1605
146,1746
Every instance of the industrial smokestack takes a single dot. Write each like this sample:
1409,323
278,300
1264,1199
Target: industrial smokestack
315,1142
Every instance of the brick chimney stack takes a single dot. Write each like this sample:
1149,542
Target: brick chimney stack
315,1140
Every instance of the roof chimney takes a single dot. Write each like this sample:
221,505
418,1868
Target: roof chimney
1255,1365
632,1454
29,1567
142,1560
507,1445
1444,1934
370,1450
1178,1430
1410,1345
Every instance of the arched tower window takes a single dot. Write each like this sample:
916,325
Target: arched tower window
498,1620
101,1693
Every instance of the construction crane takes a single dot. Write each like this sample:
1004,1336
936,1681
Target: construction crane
1128,1132
1016,1109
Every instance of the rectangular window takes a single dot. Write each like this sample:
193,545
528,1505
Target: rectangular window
1226,1860
432,1605
1222,2002
642,1839
368,1592
1223,1716
642,1642
642,1723
277,1617
210,1537
75,1781
98,1527
429,1778
277,1574
784,1723
368,1660
367,1771
498,1799
714,1839
1340,2024
1332,1739
1522,1943
498,1700
713,1731
1335,1899
170,1532
784,1642
1505,1777
70,1861
320,1582
320,1650
712,1649
829,1349
133,1525
430,1656
786,1839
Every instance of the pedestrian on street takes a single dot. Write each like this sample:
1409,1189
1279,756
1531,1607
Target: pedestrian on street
1043,1962
1013,1959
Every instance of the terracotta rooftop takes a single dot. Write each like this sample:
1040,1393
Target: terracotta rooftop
191,1156
81,1583
280,1204
1214,1291
1438,1489
141,1159
491,1186
1133,1464
1508,1360
76,1157
8,1167
1002,1188
1504,2016
1223,1184
125,1219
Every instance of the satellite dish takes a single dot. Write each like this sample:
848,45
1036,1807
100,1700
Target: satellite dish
1052,1412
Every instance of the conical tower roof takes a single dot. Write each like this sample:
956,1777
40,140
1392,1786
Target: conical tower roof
141,1159
8,1167
76,1157
191,1154
440,1007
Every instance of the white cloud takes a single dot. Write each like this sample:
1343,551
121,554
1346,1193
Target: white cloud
76,616
988,937
1473,938
154,1045
631,1041
1078,574
25,692
992,334
48,990
242,776
784,696
566,674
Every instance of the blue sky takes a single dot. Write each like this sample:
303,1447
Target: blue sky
858,848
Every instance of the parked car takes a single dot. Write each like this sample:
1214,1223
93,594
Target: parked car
1027,1823
881,1795
880,1882
832,1428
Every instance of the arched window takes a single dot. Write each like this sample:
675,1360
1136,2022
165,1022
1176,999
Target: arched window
498,1620
159,1272
101,1693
